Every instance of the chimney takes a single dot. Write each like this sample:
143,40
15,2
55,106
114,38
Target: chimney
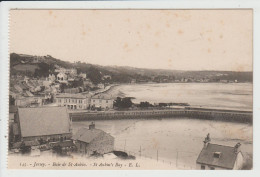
237,147
92,126
207,140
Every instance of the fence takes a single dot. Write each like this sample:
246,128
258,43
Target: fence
175,162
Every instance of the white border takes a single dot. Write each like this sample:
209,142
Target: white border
184,4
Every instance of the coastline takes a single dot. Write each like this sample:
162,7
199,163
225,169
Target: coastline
224,99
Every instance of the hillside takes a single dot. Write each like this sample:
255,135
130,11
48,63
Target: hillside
42,66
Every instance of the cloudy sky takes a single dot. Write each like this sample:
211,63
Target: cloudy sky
164,39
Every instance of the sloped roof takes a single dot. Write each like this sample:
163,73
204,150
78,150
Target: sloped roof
70,95
43,121
87,135
226,160
103,96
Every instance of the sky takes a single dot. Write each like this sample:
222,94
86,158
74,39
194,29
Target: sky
158,39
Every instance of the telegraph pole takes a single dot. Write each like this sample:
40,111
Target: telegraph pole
125,145
157,155
177,158
140,151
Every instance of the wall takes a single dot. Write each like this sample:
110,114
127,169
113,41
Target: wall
167,113
102,103
48,137
80,103
102,144
239,162
198,167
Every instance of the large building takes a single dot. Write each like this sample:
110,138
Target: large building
44,123
73,101
92,140
219,157
72,71
102,101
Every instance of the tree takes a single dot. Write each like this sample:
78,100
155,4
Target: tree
123,102
145,104
94,75
11,100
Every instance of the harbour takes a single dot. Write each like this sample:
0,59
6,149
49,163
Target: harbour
193,113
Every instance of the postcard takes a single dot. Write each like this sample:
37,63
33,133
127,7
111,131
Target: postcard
130,89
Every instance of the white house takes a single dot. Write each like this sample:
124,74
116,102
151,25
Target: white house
71,71
219,157
102,101
73,101
62,77
51,77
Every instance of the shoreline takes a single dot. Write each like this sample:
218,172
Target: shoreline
115,92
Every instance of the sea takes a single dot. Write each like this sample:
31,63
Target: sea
179,141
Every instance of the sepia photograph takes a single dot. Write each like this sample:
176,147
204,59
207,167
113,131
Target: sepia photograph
130,89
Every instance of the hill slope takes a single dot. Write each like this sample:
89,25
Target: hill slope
42,66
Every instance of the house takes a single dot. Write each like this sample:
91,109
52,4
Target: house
101,86
72,71
62,77
29,101
51,77
133,81
63,147
102,101
72,90
18,88
44,124
12,113
224,81
83,75
219,157
106,77
88,83
73,101
91,141
23,101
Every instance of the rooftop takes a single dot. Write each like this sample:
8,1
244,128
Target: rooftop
70,95
103,96
227,156
87,135
43,121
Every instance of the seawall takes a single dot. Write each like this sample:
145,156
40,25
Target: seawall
206,114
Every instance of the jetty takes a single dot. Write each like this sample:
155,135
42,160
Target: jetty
192,113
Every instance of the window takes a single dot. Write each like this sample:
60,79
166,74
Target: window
202,167
107,101
100,101
216,154
212,168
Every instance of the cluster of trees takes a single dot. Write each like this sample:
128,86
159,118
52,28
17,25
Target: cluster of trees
145,104
123,103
